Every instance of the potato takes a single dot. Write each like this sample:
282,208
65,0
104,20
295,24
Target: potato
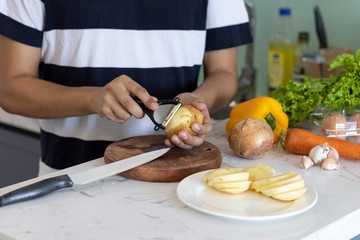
284,188
266,181
280,183
228,180
290,196
220,172
183,119
259,171
240,176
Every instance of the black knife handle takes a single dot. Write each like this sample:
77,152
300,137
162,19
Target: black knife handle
36,190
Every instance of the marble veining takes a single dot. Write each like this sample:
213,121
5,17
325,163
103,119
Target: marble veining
120,208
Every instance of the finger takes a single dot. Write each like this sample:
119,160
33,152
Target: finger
191,140
137,91
124,89
108,114
199,104
120,114
129,105
202,129
179,143
169,143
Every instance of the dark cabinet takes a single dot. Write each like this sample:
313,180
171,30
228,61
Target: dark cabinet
19,155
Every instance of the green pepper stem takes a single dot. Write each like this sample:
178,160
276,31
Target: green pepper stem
270,119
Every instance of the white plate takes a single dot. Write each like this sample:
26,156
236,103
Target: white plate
4,236
249,205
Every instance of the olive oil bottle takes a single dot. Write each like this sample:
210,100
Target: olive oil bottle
281,56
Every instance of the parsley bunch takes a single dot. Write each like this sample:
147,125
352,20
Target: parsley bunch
300,99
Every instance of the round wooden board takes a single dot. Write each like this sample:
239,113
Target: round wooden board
173,166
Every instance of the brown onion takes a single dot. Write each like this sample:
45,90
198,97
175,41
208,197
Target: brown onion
251,138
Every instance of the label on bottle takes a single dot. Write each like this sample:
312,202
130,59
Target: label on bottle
275,68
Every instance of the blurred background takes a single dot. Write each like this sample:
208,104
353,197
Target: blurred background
341,20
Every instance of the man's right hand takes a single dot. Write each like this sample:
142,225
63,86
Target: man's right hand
115,101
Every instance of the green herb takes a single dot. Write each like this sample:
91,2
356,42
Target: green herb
298,100
301,99
345,88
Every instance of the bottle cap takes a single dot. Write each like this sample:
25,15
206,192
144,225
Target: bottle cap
285,11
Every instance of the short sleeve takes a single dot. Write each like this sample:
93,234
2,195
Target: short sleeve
22,20
227,24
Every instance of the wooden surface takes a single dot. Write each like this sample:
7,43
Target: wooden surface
171,167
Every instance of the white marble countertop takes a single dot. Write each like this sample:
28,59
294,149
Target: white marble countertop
119,208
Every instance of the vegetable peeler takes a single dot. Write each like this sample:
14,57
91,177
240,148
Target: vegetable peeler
177,104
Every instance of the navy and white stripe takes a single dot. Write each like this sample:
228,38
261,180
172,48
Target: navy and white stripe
158,43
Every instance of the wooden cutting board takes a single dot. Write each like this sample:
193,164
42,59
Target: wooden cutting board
173,166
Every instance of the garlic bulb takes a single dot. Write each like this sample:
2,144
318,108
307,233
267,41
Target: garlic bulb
319,153
333,154
330,164
306,162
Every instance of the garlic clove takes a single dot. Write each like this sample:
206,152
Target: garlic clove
330,164
306,162
333,154
319,153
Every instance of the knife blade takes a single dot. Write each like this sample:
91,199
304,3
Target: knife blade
49,185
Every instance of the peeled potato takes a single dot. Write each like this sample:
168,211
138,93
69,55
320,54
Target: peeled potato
232,185
290,196
270,180
228,180
233,190
220,172
240,176
259,171
280,183
284,188
183,119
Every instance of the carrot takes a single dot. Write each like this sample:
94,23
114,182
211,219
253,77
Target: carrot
300,141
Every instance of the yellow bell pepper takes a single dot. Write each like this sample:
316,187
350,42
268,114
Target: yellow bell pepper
265,108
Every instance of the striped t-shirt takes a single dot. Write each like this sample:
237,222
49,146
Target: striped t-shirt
158,43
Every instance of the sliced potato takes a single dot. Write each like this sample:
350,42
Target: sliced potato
220,172
259,171
238,184
279,183
290,196
266,181
235,177
234,190
284,188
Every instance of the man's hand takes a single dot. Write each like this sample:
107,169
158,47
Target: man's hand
115,101
184,139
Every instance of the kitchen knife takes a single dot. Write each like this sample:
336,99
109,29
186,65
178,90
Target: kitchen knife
53,184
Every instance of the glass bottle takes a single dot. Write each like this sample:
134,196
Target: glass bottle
301,68
281,56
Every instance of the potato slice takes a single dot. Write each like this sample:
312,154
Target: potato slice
284,188
220,172
259,171
290,196
233,190
266,181
235,177
227,185
279,183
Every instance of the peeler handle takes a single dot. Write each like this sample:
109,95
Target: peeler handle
150,113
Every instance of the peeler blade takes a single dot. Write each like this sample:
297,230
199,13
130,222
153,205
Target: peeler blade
171,114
